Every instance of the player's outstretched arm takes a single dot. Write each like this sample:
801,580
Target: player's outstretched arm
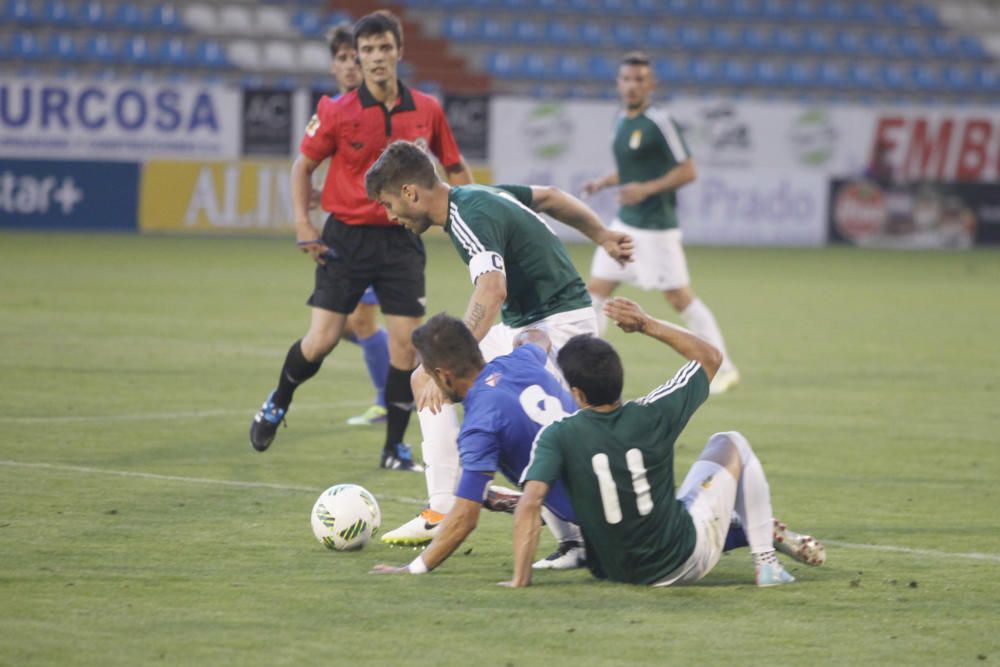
566,208
307,236
630,318
457,525
527,526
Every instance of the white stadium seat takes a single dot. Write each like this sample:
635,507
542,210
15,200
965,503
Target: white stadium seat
236,20
244,54
279,55
314,57
273,21
201,18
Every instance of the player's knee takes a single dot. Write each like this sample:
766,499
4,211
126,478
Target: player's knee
735,440
363,321
316,346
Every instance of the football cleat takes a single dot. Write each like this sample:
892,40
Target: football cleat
724,380
265,424
400,457
771,574
567,556
803,548
501,499
418,530
375,414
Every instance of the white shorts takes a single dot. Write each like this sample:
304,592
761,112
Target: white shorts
658,262
499,340
709,493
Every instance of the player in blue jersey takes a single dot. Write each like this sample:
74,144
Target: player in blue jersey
507,402
362,325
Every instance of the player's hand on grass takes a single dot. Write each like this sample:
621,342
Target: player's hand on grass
619,245
631,194
431,397
309,241
382,568
627,314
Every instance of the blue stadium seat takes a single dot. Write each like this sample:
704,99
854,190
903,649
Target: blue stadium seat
957,79
788,40
861,76
692,37
969,46
494,30
894,14
925,77
746,9
723,38
927,16
626,36
755,38
210,53
583,7
20,12
894,77
164,16
560,33
527,31
677,7
911,45
62,47
711,9
942,46
735,72
799,74
864,13
500,64
667,70
831,75
660,36
775,10
878,43
594,33
135,50
94,15
100,48
174,51
804,10
987,79
647,8
602,68
309,22
818,42
58,13
461,28
129,16
569,67
835,11
534,66
766,73
702,71
848,42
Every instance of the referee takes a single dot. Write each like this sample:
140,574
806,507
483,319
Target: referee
359,246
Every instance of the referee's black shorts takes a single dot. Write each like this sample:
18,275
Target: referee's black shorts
387,257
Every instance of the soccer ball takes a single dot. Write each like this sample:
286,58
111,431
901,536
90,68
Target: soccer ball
345,517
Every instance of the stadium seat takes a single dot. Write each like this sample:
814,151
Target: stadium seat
861,76
594,33
942,46
702,71
692,37
818,42
136,50
569,67
910,45
527,31
766,73
667,70
278,54
647,8
309,22
848,42
174,51
926,16
788,40
969,46
804,10
746,9
244,53
735,72
864,13
314,57
560,33
893,14
774,10
100,48
20,12
272,21
128,16
209,53
878,43
494,30
723,38
957,79
602,68
59,13
461,28
94,15
534,66
755,38
201,17
62,47
164,16
831,75
893,77
710,9
660,36
500,64
236,20
987,79
626,36
925,77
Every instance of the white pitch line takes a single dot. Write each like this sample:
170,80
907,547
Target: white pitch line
157,416
931,553
189,480
927,553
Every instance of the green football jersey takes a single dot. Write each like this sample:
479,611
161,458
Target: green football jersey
646,147
494,228
618,468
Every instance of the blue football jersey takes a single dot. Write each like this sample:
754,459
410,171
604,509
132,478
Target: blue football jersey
511,400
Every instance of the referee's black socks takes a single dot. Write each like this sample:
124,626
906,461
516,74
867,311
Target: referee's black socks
398,404
297,369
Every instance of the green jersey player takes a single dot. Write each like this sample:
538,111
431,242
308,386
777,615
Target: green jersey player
616,461
652,162
520,270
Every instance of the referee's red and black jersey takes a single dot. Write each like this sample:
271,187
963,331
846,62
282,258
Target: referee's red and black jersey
354,129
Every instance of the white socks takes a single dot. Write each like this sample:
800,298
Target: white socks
563,531
753,497
440,452
701,321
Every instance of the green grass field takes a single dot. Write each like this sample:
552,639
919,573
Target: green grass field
137,526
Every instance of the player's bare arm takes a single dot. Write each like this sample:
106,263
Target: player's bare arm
307,236
631,318
566,208
598,184
527,527
457,525
634,193
459,174
485,304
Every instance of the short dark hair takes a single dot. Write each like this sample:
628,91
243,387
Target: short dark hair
446,342
591,365
338,37
378,23
635,58
401,163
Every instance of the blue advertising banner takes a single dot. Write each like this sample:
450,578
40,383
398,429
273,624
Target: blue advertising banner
46,195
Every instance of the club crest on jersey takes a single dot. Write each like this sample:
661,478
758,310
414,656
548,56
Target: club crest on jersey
633,141
312,126
493,379
707,482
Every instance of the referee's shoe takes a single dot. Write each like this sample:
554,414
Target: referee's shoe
400,457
